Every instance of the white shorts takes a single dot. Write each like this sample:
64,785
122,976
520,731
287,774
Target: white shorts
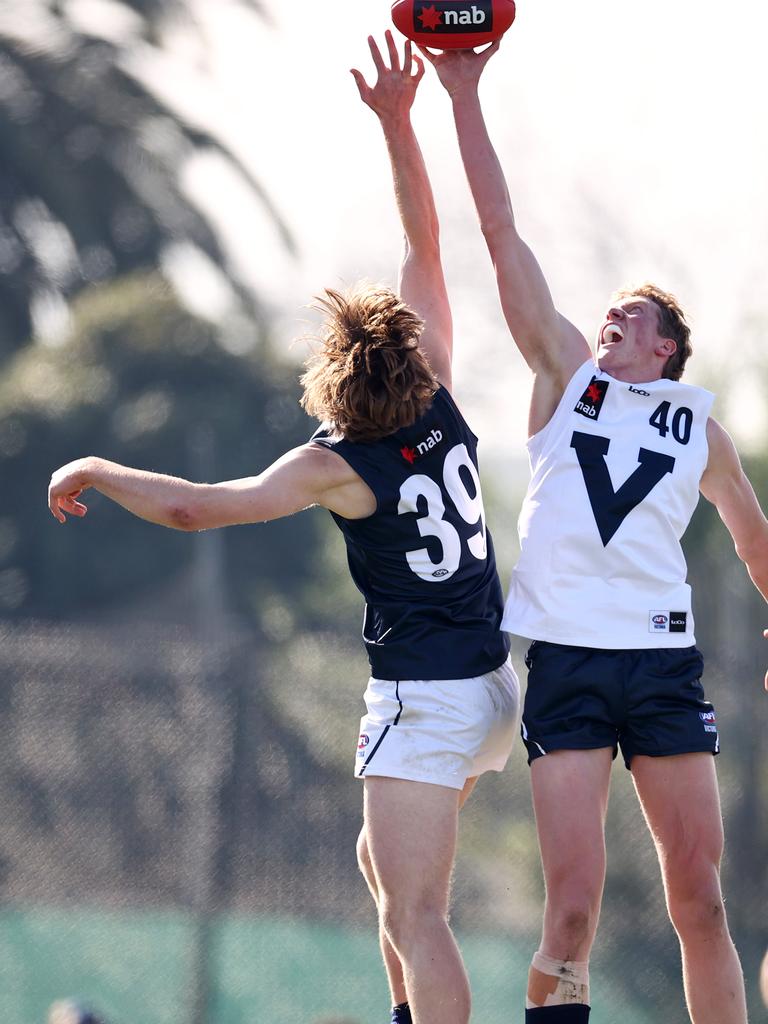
441,731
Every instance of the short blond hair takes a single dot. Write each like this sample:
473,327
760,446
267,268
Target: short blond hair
672,324
370,378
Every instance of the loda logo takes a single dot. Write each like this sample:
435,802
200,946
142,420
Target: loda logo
474,16
639,391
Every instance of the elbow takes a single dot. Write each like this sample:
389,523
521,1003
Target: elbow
184,517
423,244
755,558
498,231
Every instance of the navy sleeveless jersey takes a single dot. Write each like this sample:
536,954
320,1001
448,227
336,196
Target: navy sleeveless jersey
424,560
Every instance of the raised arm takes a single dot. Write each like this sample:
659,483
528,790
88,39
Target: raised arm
422,283
551,346
725,484
309,475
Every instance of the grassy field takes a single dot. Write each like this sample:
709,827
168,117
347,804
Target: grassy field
137,968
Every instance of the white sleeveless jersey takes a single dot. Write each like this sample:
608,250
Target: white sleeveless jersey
614,482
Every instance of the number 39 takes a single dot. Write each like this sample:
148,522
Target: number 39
433,524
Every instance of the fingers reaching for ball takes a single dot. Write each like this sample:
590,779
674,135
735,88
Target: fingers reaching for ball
395,87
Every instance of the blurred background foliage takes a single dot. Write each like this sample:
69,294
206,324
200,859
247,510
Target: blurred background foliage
179,712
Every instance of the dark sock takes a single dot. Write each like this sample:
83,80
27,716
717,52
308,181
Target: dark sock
401,1014
573,1013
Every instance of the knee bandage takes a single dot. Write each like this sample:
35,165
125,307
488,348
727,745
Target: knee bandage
557,982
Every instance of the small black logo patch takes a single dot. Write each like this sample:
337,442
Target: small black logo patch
678,622
591,402
452,16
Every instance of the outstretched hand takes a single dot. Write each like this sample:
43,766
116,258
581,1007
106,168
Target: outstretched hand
460,69
65,488
395,87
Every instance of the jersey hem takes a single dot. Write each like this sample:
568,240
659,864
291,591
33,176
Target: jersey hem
681,640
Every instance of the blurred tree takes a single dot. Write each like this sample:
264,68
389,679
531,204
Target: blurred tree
143,382
89,172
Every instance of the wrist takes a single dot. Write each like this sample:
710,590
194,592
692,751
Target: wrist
88,470
464,92
395,121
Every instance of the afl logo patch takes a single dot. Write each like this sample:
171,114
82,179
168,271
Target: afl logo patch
658,621
363,742
591,402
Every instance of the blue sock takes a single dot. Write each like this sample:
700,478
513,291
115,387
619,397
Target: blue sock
401,1014
573,1013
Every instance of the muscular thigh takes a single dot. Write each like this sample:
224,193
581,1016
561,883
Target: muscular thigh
411,834
681,803
570,798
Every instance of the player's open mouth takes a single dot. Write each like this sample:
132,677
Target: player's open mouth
611,333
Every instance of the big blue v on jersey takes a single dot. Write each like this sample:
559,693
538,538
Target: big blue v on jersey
424,559
615,480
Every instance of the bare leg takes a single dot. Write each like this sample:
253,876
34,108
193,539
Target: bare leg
411,839
392,963
680,801
570,798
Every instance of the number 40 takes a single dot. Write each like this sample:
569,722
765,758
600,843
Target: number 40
682,422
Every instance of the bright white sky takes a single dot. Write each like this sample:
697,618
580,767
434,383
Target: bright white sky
634,141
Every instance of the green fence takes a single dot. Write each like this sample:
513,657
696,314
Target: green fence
135,968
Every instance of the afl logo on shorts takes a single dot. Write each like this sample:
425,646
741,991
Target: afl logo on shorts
709,719
364,740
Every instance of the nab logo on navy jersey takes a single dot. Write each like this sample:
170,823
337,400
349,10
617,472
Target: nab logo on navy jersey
422,447
591,402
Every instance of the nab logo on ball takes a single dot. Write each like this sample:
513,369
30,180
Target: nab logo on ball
453,24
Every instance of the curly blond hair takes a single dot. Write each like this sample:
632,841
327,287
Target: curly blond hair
370,378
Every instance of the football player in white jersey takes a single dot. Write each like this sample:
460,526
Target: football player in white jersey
619,451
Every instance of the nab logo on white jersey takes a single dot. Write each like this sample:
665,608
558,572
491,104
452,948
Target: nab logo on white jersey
591,402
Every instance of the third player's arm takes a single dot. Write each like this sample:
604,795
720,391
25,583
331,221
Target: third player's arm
725,484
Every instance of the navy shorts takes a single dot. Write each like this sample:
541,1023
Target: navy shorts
645,701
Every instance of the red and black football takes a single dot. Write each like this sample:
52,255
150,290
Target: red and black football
453,24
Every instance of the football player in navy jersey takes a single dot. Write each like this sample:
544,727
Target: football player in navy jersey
619,451
396,465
